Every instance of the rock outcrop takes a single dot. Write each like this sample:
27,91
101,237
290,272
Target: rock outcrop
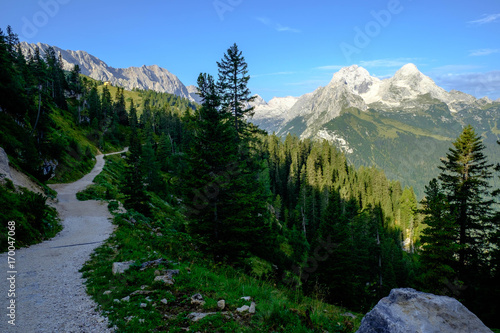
4,165
145,77
407,310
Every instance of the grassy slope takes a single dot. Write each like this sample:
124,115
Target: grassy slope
400,147
139,239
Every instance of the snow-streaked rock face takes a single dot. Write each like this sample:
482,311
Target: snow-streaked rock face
359,81
353,87
272,114
336,139
145,77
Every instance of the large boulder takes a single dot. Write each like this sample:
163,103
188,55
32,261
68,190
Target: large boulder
407,310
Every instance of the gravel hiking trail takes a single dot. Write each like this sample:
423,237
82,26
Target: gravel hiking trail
50,292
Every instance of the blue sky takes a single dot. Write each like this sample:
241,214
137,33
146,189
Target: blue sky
291,47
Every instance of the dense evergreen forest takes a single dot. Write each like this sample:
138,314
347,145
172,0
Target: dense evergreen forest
293,208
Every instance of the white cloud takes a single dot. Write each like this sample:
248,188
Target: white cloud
486,19
483,52
477,84
397,62
276,26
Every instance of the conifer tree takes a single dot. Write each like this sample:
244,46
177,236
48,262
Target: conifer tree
225,202
464,178
439,241
133,178
232,86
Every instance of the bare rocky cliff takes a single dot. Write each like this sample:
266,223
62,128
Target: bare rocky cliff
146,77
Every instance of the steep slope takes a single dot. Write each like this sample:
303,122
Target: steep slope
146,77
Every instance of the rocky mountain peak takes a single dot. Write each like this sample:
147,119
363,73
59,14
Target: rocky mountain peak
145,77
408,70
356,78
258,101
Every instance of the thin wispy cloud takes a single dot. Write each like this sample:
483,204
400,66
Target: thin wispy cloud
276,26
483,52
311,82
386,63
454,69
486,19
476,84
273,74
329,67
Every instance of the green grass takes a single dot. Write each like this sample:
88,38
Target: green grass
28,216
140,239
106,183
77,151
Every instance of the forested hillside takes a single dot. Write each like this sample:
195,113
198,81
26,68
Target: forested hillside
52,123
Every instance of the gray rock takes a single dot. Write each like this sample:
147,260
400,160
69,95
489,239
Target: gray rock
164,301
243,308
407,310
121,267
126,299
107,292
246,298
195,316
221,304
197,299
142,292
171,272
252,308
4,164
153,263
143,305
165,279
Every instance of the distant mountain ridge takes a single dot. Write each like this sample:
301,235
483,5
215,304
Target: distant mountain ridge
354,87
146,77
403,124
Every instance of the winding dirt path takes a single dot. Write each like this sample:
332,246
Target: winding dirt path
50,294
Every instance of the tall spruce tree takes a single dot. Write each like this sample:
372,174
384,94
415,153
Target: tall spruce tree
439,241
232,86
209,177
464,178
225,201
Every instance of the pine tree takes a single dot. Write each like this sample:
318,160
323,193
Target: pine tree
439,241
94,105
464,179
133,178
120,107
132,114
232,86
226,203
210,174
